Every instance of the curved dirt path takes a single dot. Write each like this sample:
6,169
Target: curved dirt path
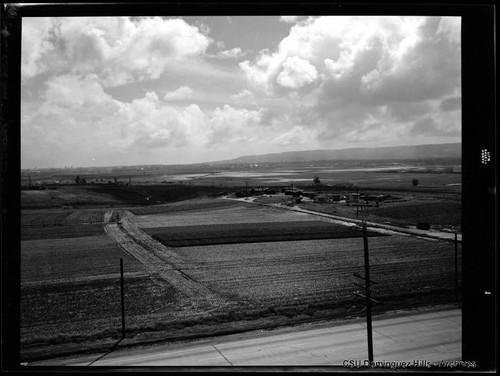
162,263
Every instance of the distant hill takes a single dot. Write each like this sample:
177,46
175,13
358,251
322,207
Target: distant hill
394,152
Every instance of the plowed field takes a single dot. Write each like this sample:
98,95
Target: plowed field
320,271
258,267
58,232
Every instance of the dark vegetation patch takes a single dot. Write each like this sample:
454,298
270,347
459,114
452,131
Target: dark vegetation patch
49,259
182,236
57,232
151,194
440,213
44,217
184,206
436,212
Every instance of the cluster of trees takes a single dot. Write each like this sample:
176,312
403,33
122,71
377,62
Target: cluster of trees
80,180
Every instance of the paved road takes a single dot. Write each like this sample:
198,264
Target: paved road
432,336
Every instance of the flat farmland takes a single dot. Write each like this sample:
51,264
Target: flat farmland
320,272
262,273
61,217
191,205
45,217
241,213
91,309
181,236
61,258
65,196
437,210
258,269
59,232
390,178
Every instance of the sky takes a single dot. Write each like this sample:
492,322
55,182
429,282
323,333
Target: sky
105,91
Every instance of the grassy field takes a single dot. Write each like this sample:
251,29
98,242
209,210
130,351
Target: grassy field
85,256
59,232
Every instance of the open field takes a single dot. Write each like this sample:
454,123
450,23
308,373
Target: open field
61,217
190,205
182,236
78,311
239,213
219,261
319,273
59,232
437,211
61,258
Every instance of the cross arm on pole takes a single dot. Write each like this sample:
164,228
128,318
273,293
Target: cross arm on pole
363,278
364,297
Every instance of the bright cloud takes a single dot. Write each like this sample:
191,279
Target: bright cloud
183,92
123,90
366,68
296,73
117,50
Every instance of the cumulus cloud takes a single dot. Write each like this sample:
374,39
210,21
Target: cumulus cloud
296,73
233,125
35,42
331,82
396,70
118,50
183,92
244,96
79,120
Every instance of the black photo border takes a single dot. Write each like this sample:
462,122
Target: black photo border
479,205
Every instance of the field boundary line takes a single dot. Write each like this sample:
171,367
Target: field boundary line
161,268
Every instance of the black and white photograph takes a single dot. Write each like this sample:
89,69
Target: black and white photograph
218,191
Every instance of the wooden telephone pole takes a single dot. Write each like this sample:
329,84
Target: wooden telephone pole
367,287
122,298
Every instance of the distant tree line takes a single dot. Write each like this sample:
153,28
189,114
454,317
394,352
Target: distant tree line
80,180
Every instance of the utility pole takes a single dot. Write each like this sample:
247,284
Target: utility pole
456,269
367,296
122,298
357,203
